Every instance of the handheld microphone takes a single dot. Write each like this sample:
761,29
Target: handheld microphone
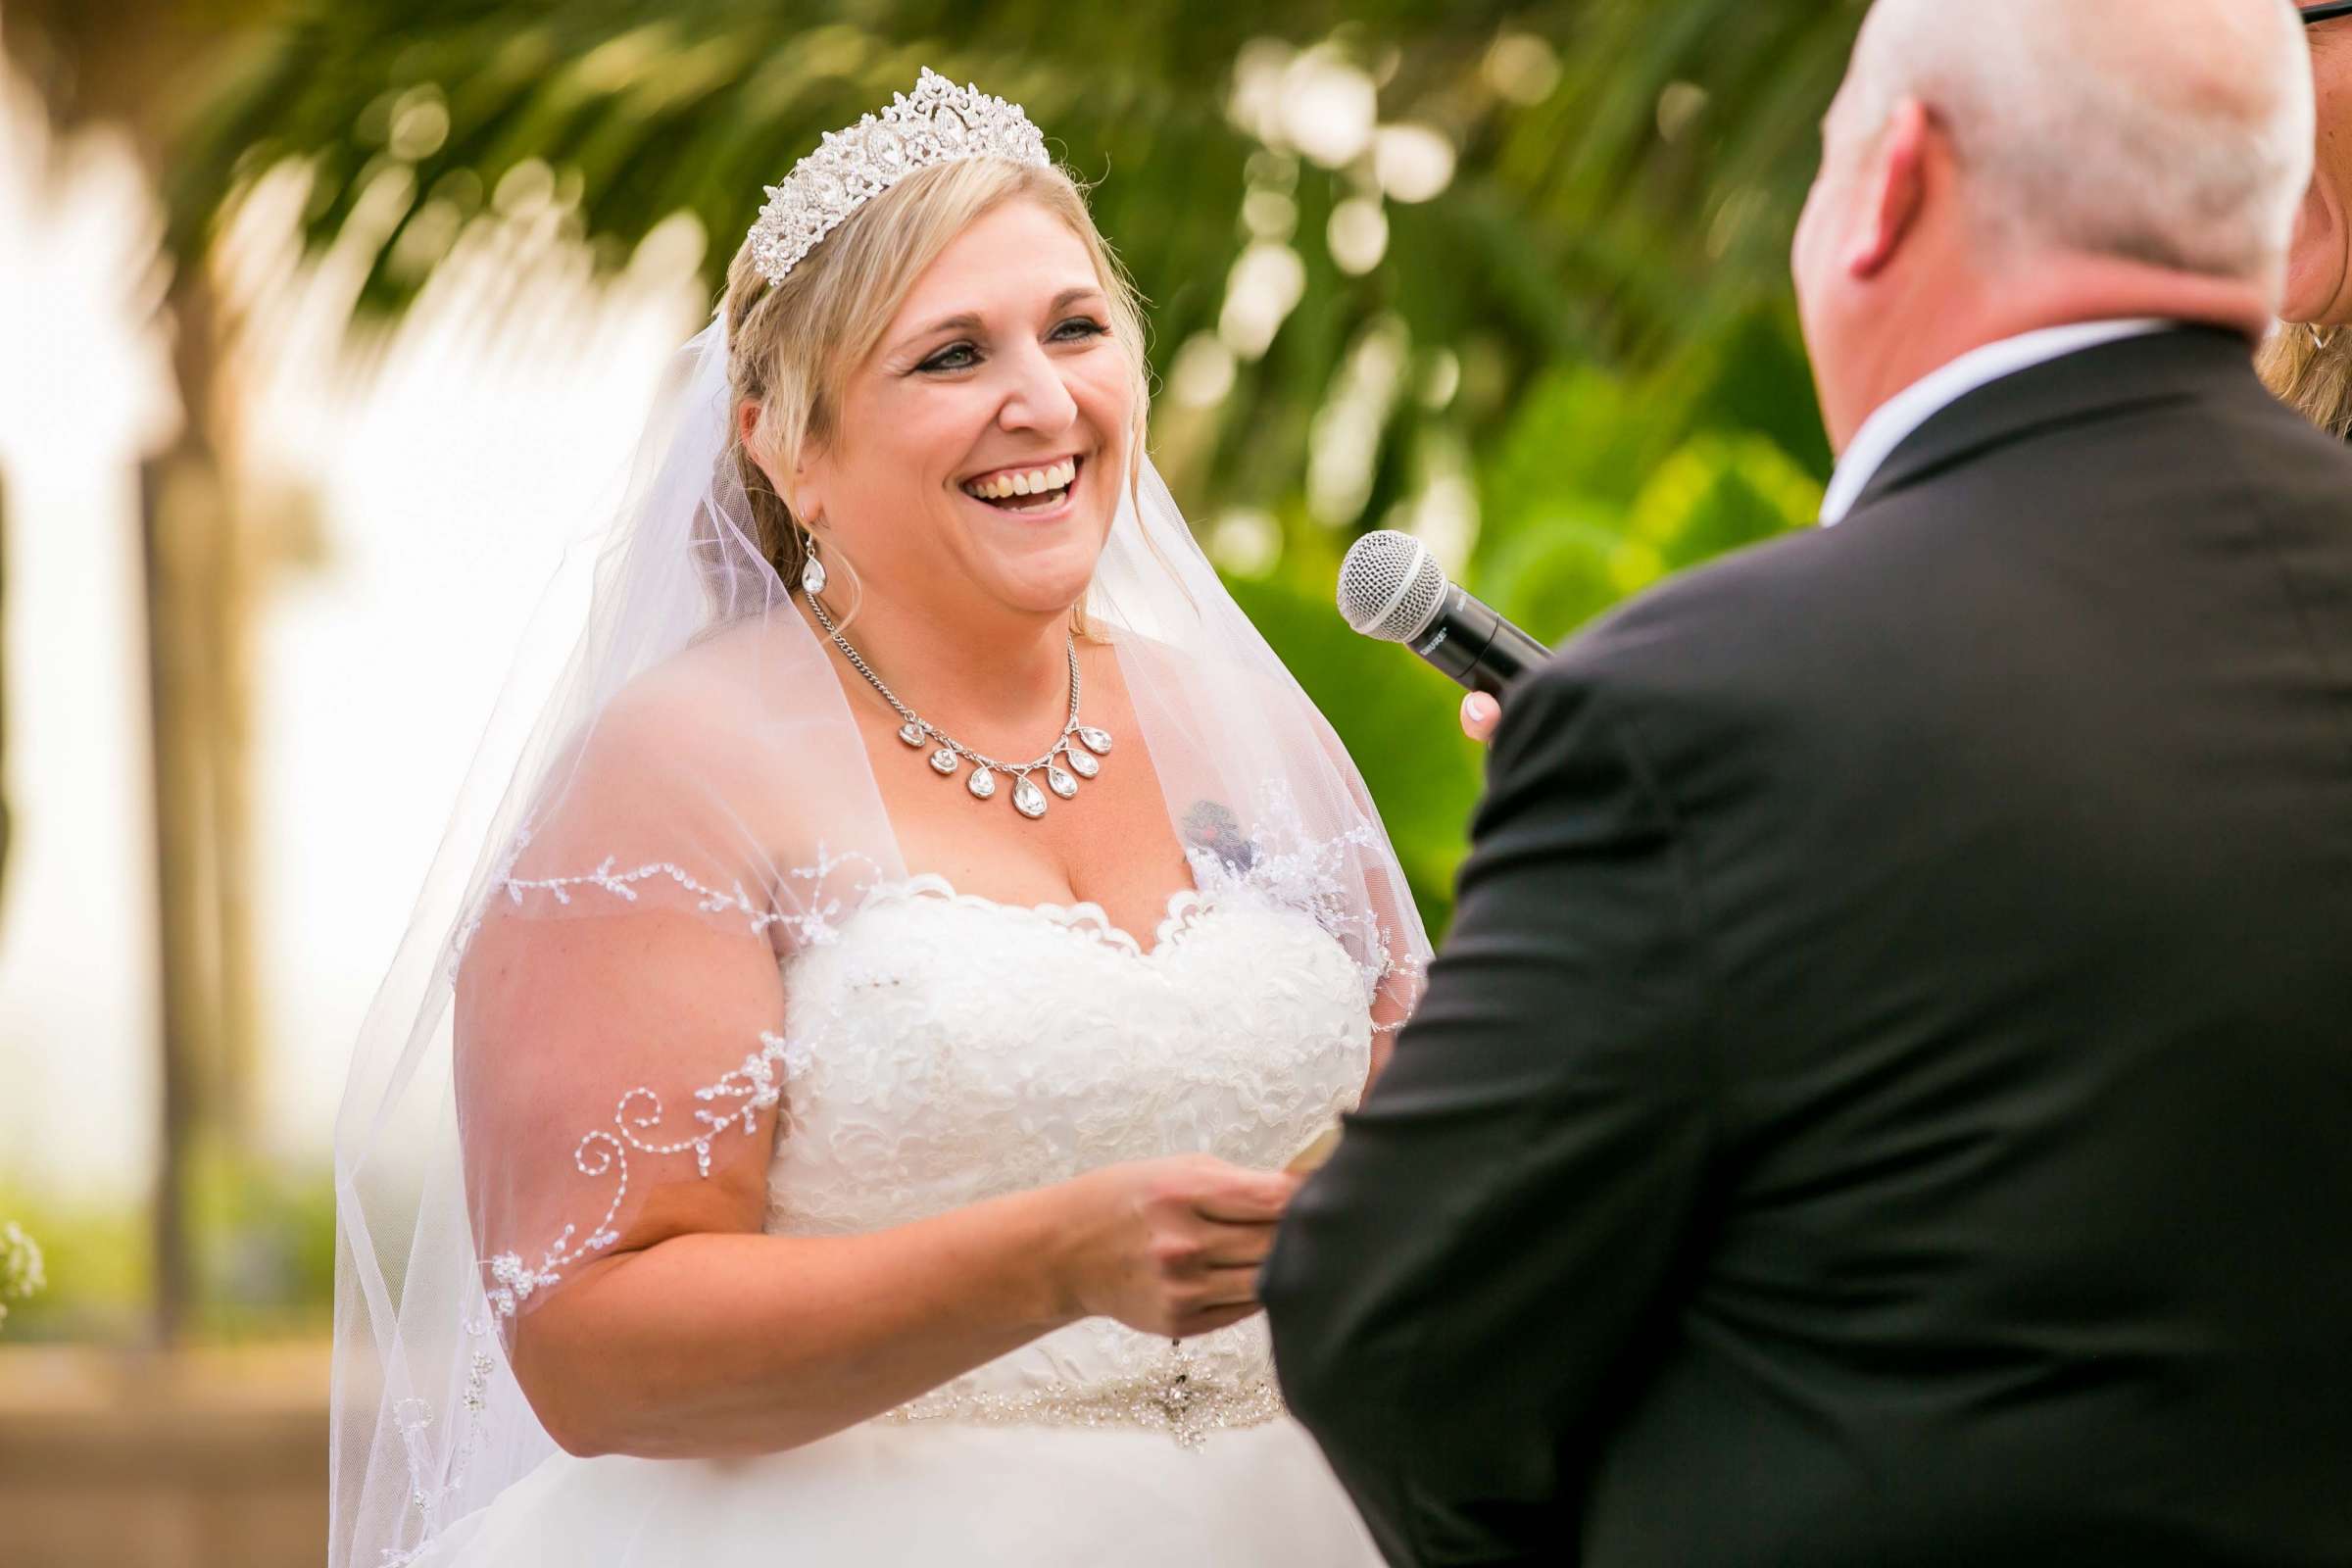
1392,589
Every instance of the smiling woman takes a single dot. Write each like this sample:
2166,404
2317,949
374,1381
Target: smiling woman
1001,364
847,1167
1030,301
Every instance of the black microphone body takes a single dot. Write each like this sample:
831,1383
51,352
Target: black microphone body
1392,588
1474,647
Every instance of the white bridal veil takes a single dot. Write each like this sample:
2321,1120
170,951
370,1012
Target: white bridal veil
584,1012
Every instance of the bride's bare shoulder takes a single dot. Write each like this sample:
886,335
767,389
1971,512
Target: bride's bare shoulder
1227,671
716,727
715,692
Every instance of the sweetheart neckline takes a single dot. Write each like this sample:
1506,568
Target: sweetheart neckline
1183,912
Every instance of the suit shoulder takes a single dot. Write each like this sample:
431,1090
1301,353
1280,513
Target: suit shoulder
1709,623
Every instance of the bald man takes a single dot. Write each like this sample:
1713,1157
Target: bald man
1886,1097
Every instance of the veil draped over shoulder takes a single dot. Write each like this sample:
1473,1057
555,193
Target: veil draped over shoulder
585,1011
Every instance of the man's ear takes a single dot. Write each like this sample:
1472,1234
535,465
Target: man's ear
1895,191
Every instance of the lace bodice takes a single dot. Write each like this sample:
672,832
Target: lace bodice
944,1048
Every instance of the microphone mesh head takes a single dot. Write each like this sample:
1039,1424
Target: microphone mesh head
1390,586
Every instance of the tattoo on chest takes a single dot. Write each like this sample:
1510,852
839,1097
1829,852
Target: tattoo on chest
1209,826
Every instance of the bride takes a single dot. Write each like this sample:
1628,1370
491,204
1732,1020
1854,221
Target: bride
839,1118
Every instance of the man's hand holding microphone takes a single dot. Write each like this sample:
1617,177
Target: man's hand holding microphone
1392,589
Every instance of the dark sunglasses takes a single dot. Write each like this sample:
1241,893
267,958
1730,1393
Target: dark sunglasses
2327,12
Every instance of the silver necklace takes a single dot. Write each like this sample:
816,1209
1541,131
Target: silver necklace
950,755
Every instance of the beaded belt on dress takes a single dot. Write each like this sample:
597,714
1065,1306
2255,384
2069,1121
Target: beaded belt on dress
1174,1398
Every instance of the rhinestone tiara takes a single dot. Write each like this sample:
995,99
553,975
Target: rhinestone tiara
940,123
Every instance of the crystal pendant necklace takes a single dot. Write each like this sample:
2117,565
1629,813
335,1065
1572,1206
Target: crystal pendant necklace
1080,745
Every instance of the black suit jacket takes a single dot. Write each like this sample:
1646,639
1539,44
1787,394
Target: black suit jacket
1886,1097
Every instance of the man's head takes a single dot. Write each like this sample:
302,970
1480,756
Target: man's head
2000,166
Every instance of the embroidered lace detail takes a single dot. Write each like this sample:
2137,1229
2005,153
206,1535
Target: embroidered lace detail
621,885
463,938
808,907
414,1418
1284,865
1174,1398
752,1086
942,1048
1281,864
946,1048
1088,919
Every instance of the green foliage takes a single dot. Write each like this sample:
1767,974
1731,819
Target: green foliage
21,1272
1396,717
1601,488
1589,324
96,1262
1589,321
1598,489
266,1247
264,1236
1621,193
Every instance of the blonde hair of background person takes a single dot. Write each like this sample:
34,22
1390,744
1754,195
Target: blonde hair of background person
2307,361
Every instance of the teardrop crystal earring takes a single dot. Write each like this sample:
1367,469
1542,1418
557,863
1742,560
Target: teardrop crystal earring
813,574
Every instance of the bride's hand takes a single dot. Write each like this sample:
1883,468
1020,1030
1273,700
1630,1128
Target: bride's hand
1171,1247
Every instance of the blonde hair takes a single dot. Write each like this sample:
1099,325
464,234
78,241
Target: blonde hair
791,347
2311,376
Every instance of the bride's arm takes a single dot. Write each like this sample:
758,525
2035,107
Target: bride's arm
694,1335
713,1343
716,1340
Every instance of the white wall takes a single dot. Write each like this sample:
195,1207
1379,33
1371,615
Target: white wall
447,462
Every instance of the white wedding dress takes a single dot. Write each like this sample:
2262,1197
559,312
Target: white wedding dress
944,1048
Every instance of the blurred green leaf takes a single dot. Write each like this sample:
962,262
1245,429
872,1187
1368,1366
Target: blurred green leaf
95,1257
1594,312
1637,205
1397,719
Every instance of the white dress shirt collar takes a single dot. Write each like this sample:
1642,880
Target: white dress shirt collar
1904,413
